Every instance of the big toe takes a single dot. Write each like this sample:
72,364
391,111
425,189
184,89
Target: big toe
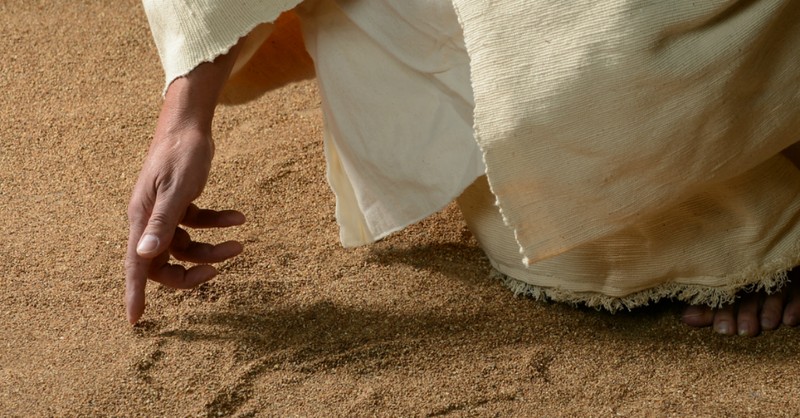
698,316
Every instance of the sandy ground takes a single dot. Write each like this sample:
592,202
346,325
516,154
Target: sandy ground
412,326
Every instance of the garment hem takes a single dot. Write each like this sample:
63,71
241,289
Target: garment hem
770,278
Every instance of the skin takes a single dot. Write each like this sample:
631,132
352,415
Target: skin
175,172
173,175
752,313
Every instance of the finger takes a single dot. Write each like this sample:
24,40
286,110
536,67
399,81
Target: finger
157,263
207,218
136,269
180,240
161,225
203,253
184,249
178,277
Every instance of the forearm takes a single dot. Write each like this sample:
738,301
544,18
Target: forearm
190,100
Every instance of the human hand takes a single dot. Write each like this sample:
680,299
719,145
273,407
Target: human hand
174,174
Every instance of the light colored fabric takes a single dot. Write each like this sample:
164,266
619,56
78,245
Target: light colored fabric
744,234
634,147
595,115
394,79
189,33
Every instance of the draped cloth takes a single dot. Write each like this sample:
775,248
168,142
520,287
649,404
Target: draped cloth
632,150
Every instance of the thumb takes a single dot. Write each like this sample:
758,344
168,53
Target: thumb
156,237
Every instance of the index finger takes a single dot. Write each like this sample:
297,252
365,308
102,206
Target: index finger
136,268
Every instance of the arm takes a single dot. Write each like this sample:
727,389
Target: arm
173,175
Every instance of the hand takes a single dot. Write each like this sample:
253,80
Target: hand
174,175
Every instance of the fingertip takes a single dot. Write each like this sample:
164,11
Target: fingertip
236,218
200,274
133,318
791,319
134,299
134,312
205,270
227,250
235,247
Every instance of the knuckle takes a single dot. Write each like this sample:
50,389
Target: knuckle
161,221
132,268
136,210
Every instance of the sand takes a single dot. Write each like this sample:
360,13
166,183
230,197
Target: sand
297,325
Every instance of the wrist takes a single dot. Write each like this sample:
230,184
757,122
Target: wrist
188,104
193,97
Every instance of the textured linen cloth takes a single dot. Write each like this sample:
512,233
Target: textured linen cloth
394,78
634,149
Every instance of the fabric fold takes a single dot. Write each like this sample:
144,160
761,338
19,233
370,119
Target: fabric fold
394,81
606,112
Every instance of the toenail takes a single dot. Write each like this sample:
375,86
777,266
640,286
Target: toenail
723,328
767,322
744,330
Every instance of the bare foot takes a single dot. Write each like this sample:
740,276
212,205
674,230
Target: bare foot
752,313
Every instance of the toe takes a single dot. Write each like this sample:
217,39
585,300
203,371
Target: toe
747,322
725,320
698,316
772,311
791,313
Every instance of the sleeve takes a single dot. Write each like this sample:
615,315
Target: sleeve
190,32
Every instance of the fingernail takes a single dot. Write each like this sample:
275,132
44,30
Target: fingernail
147,244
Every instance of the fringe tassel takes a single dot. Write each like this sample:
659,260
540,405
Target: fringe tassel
770,278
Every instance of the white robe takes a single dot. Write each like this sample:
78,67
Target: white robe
634,149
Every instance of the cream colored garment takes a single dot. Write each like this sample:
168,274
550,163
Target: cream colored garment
633,146
189,33
607,112
394,78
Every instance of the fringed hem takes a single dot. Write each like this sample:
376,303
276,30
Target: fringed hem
769,278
